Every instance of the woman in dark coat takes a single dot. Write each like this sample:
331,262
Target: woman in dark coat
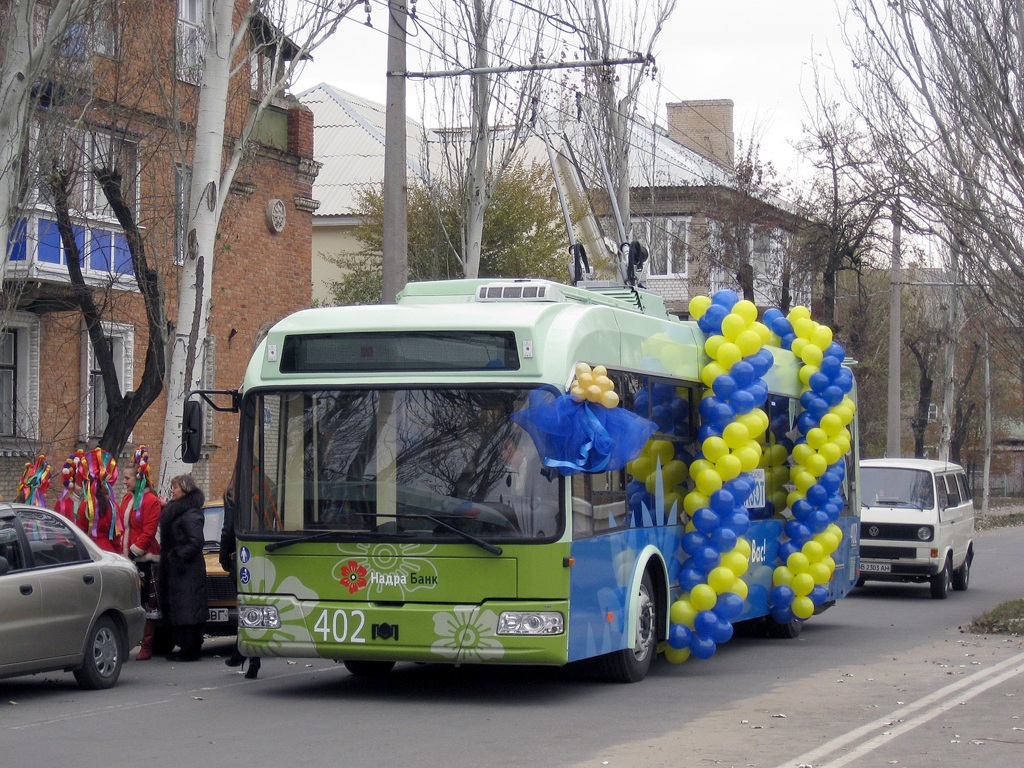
182,584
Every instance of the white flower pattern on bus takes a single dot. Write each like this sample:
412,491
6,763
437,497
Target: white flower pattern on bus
293,617
391,566
467,634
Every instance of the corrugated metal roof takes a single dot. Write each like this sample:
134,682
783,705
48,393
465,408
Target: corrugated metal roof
349,142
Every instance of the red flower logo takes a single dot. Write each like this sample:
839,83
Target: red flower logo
353,576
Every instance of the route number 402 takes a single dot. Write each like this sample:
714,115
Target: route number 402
341,626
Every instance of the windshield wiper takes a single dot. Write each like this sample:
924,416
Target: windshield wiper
319,535
275,545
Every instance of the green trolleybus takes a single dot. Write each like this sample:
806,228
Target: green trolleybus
410,485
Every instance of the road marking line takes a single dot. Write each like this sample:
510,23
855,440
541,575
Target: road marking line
904,719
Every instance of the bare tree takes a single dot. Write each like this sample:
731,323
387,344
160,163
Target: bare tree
937,86
273,37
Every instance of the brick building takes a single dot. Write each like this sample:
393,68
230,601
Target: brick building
126,92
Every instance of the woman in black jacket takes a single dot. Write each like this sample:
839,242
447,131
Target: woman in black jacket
182,585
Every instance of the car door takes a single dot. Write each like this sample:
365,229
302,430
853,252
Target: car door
21,600
68,580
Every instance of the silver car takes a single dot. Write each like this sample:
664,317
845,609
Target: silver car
64,603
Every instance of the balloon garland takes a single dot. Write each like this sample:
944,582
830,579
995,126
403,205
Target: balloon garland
733,421
35,482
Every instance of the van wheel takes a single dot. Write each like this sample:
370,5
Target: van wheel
630,665
788,631
962,575
942,581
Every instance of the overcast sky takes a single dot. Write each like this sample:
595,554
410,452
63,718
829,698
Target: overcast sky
755,52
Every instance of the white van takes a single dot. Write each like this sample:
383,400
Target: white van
917,523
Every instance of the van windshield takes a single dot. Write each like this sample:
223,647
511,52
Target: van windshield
896,487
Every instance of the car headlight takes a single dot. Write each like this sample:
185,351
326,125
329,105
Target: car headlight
924,533
531,623
259,617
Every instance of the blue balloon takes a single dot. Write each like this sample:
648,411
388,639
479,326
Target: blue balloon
740,487
705,520
722,632
722,501
715,314
738,521
759,391
818,594
782,596
835,350
690,577
662,416
707,429
724,538
729,606
831,366
704,623
830,481
805,422
817,495
782,615
762,360
725,298
771,315
797,531
742,401
786,549
833,395
706,558
642,403
783,328
819,521
743,373
680,411
801,509
701,647
724,386
788,339
693,542
679,636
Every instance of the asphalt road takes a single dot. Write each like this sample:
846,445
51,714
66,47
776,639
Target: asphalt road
884,678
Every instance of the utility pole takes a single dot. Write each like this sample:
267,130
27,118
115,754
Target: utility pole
892,432
395,246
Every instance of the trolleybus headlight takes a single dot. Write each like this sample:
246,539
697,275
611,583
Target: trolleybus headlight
259,617
531,623
924,533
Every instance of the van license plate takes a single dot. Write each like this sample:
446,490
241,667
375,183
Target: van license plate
875,567
219,615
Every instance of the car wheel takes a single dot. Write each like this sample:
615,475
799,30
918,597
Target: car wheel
942,581
104,655
962,575
630,665
362,668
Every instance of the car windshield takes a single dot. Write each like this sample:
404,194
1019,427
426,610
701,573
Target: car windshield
213,521
896,487
400,464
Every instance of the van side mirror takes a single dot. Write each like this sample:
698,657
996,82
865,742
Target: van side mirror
191,431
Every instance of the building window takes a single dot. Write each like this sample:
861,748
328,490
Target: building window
8,382
191,41
182,185
668,242
19,376
94,34
120,337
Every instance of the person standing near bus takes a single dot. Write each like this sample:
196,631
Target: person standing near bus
97,509
140,518
227,562
181,584
67,504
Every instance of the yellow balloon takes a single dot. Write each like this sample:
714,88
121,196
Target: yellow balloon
746,310
743,547
816,437
728,355
805,373
674,473
804,327
594,393
749,457
585,380
802,607
811,355
700,465
797,313
708,482
802,583
661,449
694,501
677,655
698,306
609,399
820,573
777,455
782,576
703,597
603,382
832,424
710,372
739,587
829,543
798,346
831,453
835,530
728,467
577,393
732,326
582,369
640,468
673,500
829,563
794,496
801,453
763,332
748,342
736,435
599,371
822,337
712,343
813,551
803,480
816,464
714,448
720,579
682,612
798,563
735,562
752,421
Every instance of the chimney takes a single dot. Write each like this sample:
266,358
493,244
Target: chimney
705,126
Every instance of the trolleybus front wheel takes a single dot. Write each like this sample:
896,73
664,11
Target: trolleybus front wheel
630,665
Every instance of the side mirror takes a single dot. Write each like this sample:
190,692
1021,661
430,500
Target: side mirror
191,431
